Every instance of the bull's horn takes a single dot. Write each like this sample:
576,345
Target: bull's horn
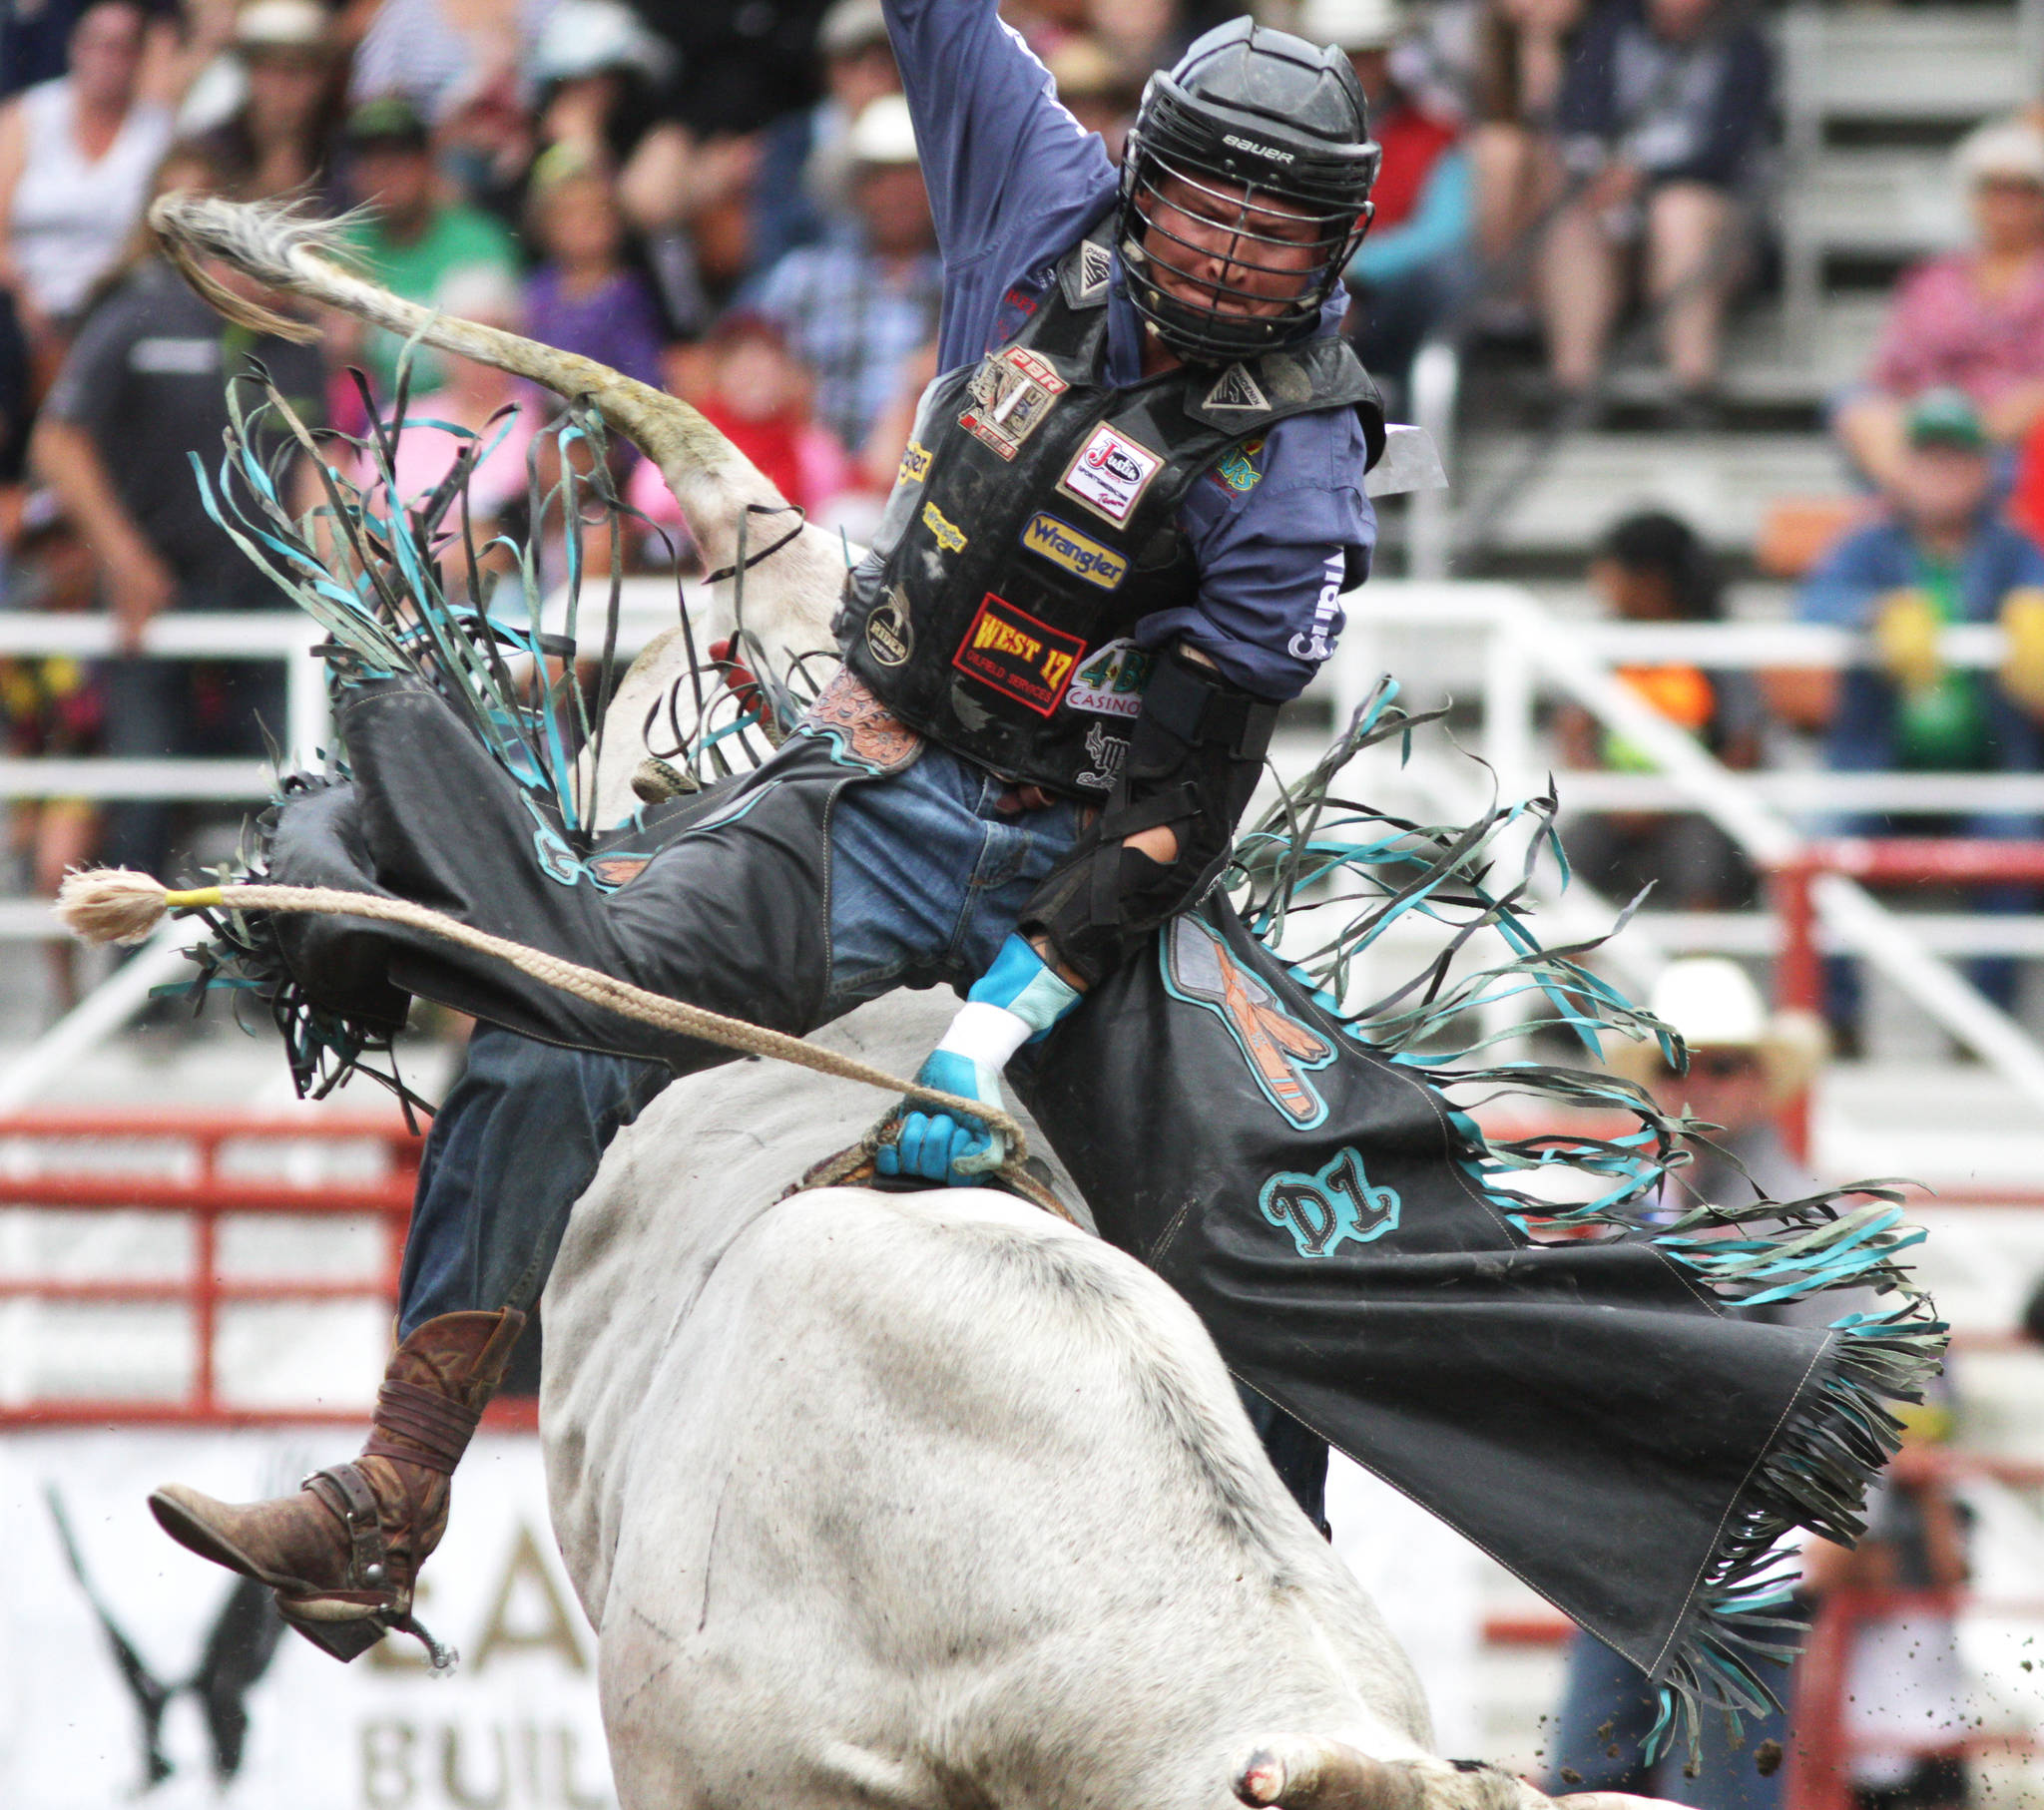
283,247
1310,1772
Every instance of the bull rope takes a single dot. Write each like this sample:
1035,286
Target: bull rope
119,905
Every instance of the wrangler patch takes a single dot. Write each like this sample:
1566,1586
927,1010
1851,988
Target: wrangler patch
946,536
1063,545
1012,393
1009,649
1110,474
1334,1203
915,463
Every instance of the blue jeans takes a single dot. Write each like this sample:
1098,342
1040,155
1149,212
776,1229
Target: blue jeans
927,877
1607,1709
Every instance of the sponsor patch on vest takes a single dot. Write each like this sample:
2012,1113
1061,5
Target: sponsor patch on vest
1019,656
1110,474
915,464
1012,393
1236,388
890,638
1110,681
1063,545
1106,752
1238,471
945,535
1086,279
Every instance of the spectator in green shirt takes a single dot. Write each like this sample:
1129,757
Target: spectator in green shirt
417,240
1942,554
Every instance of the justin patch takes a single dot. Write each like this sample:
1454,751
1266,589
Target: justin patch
1110,474
1019,656
915,464
1012,393
951,539
1110,681
1063,545
1330,1205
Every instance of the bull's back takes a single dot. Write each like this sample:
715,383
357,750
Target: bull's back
929,1495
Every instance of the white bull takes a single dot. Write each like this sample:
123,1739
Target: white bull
930,1501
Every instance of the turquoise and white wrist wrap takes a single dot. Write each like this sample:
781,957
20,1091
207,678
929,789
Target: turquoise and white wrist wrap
1016,1000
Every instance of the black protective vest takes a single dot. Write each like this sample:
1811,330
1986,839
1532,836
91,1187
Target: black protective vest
1035,522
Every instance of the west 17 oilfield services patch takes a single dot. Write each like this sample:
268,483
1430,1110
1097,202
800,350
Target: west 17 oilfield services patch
1009,649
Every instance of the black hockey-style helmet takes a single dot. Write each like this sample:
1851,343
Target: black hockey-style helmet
1250,120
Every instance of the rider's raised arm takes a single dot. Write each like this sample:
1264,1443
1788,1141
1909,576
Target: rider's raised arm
1011,175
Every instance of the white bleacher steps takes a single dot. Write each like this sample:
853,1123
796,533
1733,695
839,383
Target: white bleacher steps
1721,483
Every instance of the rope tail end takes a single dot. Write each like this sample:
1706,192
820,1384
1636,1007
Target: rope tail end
118,905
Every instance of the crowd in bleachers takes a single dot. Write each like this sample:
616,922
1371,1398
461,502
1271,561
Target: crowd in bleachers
724,199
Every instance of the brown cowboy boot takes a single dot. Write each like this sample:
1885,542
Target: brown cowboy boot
343,1554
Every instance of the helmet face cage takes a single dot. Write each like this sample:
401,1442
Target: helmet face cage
1245,188
1254,282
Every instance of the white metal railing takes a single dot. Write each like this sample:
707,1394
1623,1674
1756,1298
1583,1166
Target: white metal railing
1529,648
1526,648
289,638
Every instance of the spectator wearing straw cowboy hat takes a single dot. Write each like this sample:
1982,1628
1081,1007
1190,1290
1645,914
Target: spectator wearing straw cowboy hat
1745,1064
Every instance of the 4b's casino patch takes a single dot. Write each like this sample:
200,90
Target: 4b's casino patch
1110,474
1019,656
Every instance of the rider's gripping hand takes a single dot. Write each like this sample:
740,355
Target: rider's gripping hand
1017,999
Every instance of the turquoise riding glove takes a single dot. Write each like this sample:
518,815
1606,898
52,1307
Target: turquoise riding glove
1016,1001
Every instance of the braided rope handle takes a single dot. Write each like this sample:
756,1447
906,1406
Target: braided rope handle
600,989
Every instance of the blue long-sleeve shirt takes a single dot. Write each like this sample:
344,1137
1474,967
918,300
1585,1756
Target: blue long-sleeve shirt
1014,181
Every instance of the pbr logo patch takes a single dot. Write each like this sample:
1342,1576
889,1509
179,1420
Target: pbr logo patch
915,464
890,638
1063,545
1009,649
1110,474
1110,681
951,539
1012,393
1329,1207
1200,969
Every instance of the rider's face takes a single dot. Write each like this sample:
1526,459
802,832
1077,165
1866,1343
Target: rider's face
1211,247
